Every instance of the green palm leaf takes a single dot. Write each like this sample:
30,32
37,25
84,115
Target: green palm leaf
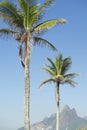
49,80
66,65
45,5
23,5
52,67
9,13
7,32
58,64
70,82
43,42
48,24
34,14
49,71
71,75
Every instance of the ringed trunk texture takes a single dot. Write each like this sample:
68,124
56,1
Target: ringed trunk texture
27,87
58,107
27,99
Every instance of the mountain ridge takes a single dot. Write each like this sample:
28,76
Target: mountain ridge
69,120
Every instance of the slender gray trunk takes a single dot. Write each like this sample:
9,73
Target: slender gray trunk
58,106
27,86
27,99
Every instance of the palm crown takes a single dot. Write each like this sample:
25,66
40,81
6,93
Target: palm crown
24,24
58,71
23,20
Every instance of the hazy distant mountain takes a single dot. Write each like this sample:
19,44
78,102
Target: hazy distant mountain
85,117
69,120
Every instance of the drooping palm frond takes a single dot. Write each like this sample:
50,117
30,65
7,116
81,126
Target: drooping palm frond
7,32
18,36
10,15
49,80
69,82
48,24
71,75
43,42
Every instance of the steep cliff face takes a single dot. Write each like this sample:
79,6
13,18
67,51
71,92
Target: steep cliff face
69,120
68,116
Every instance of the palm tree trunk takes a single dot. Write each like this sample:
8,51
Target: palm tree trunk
27,99
58,107
27,87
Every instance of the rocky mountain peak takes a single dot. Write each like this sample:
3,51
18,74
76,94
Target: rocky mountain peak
69,120
66,111
66,108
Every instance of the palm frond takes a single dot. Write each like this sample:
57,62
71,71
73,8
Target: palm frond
49,80
23,6
66,65
49,71
25,10
48,24
71,75
7,32
70,82
34,14
52,66
10,15
58,63
31,2
45,5
43,42
30,12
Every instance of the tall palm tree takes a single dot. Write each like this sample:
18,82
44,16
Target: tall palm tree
58,75
23,24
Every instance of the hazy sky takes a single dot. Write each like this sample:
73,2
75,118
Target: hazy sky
71,40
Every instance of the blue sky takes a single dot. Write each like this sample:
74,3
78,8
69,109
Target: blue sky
70,40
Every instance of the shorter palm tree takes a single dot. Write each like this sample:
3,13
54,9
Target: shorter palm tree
58,75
